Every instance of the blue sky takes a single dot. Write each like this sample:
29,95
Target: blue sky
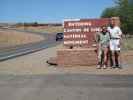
50,10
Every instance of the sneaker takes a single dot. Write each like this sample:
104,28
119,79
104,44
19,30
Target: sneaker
118,66
98,67
113,67
104,66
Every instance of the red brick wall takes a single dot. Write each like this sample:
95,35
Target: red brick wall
76,57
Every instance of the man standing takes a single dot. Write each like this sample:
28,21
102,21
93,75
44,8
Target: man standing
115,41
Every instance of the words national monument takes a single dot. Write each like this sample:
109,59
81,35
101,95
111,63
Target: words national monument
79,44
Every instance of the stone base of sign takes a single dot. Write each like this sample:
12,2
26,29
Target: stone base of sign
76,57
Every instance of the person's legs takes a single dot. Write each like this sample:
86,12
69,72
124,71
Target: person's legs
102,57
114,58
99,56
111,54
111,58
108,56
105,53
117,54
117,59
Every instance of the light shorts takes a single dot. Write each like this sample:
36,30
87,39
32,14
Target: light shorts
115,44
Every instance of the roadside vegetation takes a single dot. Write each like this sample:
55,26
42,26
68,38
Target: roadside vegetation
124,10
12,38
128,43
46,29
42,28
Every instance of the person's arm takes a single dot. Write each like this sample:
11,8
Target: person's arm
120,32
97,39
108,30
108,36
120,35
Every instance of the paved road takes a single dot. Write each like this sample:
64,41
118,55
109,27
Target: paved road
20,50
66,87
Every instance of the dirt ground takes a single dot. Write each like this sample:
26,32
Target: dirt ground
11,38
35,63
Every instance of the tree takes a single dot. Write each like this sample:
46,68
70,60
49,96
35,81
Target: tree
35,24
109,12
123,9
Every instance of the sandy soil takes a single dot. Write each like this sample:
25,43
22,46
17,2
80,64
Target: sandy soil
35,63
11,38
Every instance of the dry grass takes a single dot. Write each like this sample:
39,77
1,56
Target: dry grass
44,29
127,44
11,38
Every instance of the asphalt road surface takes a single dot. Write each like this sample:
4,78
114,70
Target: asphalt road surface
66,87
20,50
